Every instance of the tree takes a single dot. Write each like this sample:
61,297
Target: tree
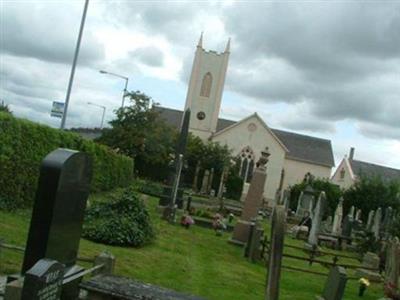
4,108
332,191
139,132
370,193
206,155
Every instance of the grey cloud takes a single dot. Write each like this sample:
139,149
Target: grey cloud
48,34
377,131
150,56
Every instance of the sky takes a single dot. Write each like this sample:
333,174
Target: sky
329,69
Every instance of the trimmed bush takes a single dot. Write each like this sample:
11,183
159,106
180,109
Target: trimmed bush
24,144
122,221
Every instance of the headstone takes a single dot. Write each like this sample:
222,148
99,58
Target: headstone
306,201
370,220
171,194
327,225
189,204
253,249
347,226
387,220
275,253
358,215
245,190
369,267
59,207
210,181
335,284
253,200
170,210
204,184
376,227
43,281
286,199
352,211
316,220
337,219
392,266
196,177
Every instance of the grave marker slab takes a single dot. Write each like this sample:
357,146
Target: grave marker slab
335,284
253,201
43,281
317,219
275,253
59,207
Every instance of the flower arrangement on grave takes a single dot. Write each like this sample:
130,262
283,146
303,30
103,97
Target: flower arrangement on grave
364,283
186,221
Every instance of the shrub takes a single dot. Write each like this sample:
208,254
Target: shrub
123,221
149,187
24,144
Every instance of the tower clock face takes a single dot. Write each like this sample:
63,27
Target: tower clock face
201,115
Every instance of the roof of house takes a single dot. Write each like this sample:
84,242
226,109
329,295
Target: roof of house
361,168
301,147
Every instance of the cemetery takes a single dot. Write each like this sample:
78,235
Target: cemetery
253,252
168,204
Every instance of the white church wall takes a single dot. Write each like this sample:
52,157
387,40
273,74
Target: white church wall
295,171
241,135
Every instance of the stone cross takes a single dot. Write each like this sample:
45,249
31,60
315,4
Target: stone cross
58,210
335,284
43,281
337,219
253,200
376,227
370,220
316,220
392,266
275,253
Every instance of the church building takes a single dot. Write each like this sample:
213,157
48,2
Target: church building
292,155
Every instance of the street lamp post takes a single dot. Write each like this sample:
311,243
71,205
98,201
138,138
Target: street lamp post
104,112
126,84
71,77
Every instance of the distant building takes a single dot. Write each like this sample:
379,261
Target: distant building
292,155
350,170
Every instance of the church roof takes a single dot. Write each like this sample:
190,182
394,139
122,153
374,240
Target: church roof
301,147
362,168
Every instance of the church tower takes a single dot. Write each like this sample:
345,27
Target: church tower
205,89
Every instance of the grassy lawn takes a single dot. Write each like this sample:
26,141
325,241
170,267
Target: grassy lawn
194,261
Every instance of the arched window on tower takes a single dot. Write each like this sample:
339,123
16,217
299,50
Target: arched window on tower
206,85
247,164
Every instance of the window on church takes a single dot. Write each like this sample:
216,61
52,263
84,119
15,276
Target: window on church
206,85
342,173
246,161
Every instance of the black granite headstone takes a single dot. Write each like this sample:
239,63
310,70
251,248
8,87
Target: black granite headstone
58,211
43,281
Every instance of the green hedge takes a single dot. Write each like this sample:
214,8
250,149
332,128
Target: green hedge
24,144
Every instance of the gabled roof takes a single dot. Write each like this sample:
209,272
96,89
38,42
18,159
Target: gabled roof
362,168
261,121
301,147
307,148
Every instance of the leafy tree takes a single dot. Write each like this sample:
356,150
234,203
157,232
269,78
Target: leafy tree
4,108
372,192
332,191
139,132
206,155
